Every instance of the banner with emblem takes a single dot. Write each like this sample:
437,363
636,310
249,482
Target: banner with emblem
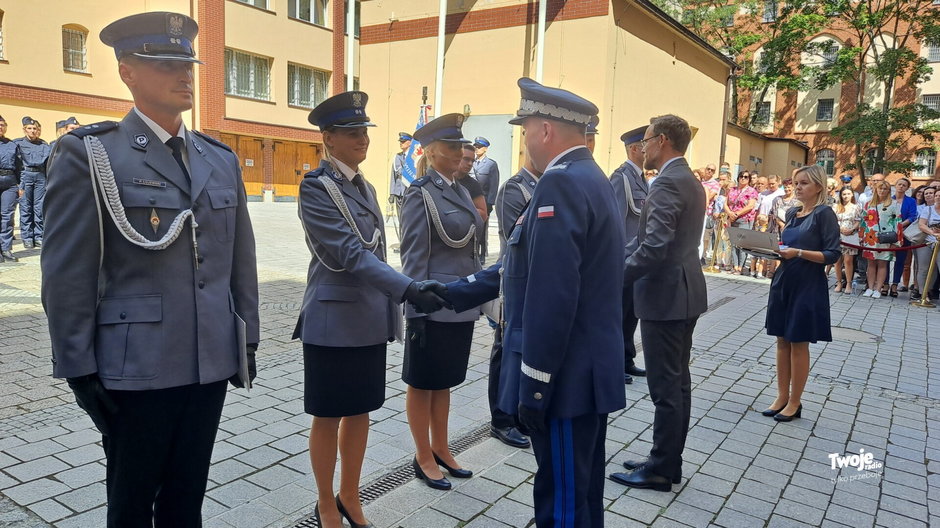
409,170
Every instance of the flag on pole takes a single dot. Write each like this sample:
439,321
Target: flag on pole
409,169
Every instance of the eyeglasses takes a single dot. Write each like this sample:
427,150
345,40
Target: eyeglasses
643,142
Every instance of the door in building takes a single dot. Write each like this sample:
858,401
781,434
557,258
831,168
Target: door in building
248,150
291,161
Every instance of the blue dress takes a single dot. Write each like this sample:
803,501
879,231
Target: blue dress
798,306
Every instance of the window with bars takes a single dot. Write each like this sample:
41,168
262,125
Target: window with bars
356,13
869,163
306,87
1,35
927,159
313,11
830,53
263,4
247,75
931,101
762,113
824,109
770,11
826,158
933,51
74,56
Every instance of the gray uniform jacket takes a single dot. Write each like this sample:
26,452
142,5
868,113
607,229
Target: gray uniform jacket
667,278
424,254
359,305
511,200
147,319
486,172
397,185
640,190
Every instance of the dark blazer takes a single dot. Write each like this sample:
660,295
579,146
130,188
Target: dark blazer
667,278
487,173
511,200
358,306
149,319
626,174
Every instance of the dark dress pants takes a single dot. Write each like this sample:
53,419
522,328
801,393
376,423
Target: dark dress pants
670,385
34,194
158,455
629,328
569,481
8,199
499,419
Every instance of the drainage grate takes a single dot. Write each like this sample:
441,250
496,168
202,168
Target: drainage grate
403,474
719,303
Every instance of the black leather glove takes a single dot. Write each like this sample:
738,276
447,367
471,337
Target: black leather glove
530,420
252,368
94,399
416,330
438,288
423,300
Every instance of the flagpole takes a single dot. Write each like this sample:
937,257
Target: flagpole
439,77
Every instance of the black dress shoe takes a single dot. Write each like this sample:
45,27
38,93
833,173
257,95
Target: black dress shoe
8,255
634,370
772,412
643,479
28,244
454,472
344,513
441,483
633,465
510,436
38,243
784,418
627,379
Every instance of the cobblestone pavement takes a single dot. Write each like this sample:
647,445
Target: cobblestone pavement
872,389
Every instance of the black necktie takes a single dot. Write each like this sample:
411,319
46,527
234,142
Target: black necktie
360,184
176,144
454,187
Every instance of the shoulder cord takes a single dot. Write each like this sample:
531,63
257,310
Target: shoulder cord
525,192
102,178
439,227
628,191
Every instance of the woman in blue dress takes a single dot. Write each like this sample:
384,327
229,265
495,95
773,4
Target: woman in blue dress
798,306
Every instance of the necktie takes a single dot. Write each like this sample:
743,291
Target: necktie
454,187
360,184
176,144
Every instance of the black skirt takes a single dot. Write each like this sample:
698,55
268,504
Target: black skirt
442,362
343,381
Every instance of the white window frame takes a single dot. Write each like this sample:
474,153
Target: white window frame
315,92
257,88
933,51
1,35
70,54
931,101
819,109
928,158
770,11
762,118
826,158
254,3
319,11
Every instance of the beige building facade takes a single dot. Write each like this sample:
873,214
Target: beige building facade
748,150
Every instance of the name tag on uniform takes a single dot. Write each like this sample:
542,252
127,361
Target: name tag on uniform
149,183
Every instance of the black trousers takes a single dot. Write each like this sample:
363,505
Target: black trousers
670,384
629,327
498,419
569,481
158,455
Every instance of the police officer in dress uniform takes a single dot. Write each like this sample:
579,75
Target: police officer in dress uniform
34,152
563,337
10,160
350,310
148,326
486,171
398,184
669,295
590,135
630,191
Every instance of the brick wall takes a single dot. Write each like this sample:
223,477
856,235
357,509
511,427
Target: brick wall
338,83
32,94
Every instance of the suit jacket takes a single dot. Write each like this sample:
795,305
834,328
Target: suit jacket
147,319
358,306
624,174
397,183
510,202
487,173
424,255
563,334
668,283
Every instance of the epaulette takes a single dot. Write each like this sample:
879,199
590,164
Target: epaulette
560,166
320,171
211,140
420,181
94,128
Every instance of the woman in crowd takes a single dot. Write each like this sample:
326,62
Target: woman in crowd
882,215
847,213
722,242
926,213
798,305
350,308
440,227
908,207
741,210
782,204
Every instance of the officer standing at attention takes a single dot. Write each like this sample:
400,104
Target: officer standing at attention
397,185
9,189
148,326
590,135
563,340
486,171
34,152
630,191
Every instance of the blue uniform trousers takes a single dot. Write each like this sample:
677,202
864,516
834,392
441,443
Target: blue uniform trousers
569,482
34,192
7,208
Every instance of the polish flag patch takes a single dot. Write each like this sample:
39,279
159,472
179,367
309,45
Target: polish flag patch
547,211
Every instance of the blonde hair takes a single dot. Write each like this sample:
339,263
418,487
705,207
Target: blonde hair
816,175
421,167
874,193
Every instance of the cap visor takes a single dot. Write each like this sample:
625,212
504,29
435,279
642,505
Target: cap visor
359,124
177,58
518,120
461,140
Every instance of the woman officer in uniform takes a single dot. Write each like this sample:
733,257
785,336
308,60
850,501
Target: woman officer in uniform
350,308
440,227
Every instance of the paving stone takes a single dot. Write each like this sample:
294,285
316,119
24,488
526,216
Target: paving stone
251,515
41,467
84,499
236,493
275,477
35,491
460,506
636,509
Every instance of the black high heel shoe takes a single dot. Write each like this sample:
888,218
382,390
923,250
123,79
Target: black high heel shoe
454,472
773,412
441,483
344,513
784,418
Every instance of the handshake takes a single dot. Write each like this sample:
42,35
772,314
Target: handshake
427,296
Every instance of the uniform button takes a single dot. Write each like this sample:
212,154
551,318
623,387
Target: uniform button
153,201
537,395
123,315
201,259
227,200
202,284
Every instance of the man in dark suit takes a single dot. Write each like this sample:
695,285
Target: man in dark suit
486,171
147,325
669,295
630,191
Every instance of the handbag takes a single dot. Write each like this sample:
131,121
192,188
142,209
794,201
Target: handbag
914,235
885,237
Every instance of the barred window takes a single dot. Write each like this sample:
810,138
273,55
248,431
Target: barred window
314,11
247,75
933,51
931,101
869,162
762,113
263,4
306,87
927,159
830,53
824,109
74,56
1,35
826,158
770,11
